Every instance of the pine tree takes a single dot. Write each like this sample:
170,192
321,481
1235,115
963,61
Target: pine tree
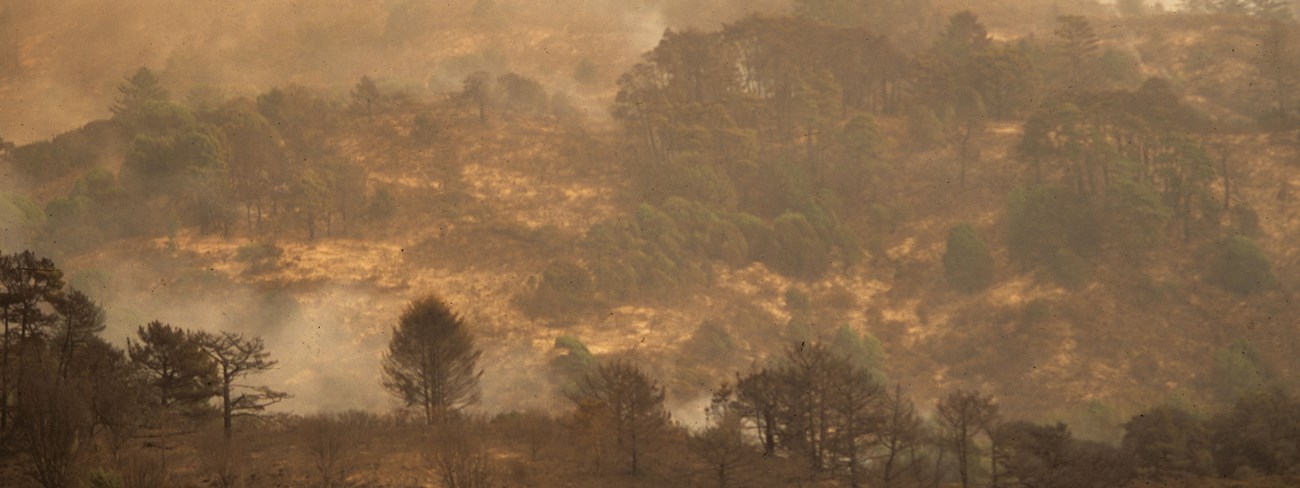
138,91
179,371
432,362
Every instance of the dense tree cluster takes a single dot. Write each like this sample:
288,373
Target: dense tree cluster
67,394
263,163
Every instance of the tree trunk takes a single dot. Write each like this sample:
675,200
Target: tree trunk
963,458
227,412
4,377
634,452
66,357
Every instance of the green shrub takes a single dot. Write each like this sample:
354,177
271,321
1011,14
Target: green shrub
1135,217
574,362
18,216
760,237
862,350
427,128
967,264
924,128
801,251
1238,370
884,219
706,233
1246,221
382,205
689,176
1241,267
1069,269
1042,220
710,343
564,288
777,187
102,478
260,258
797,302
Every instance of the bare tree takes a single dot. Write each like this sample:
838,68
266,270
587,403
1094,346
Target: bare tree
963,415
459,457
222,460
432,362
900,433
854,400
51,424
331,444
631,403
729,457
477,88
237,357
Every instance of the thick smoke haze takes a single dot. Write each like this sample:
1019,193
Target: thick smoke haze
61,59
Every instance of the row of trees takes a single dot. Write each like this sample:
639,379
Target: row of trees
266,163
817,412
1281,10
821,411
65,392
263,164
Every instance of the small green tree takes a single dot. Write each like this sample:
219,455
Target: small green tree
1241,267
861,350
1238,370
967,264
138,91
1042,220
365,95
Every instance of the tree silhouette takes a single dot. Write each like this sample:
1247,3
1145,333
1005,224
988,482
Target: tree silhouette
50,426
1078,49
28,282
80,319
477,88
729,456
630,402
179,370
1167,442
963,415
365,95
237,357
432,362
899,434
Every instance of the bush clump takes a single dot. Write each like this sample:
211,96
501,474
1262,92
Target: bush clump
1241,267
967,264
1042,220
1069,269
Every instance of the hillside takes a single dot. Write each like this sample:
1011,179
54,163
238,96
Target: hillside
1085,219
